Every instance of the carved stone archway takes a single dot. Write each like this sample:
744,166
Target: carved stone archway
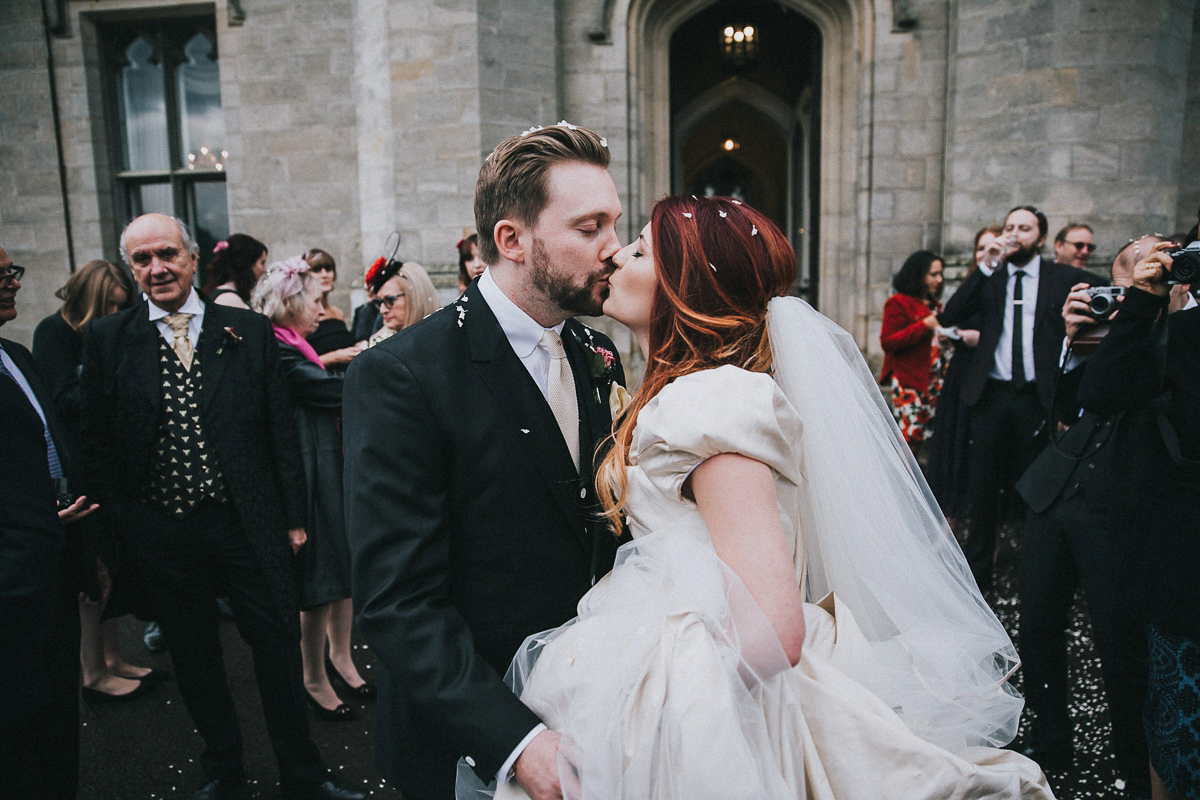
847,32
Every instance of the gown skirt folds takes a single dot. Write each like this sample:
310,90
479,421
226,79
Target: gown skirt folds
671,684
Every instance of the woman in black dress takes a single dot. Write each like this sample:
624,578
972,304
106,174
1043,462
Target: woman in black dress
290,296
239,262
332,340
94,290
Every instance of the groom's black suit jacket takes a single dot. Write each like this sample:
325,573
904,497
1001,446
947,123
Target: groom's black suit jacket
469,530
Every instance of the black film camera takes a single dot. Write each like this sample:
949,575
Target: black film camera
1103,300
1185,264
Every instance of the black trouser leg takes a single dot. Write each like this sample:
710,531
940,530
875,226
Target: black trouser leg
275,645
1048,581
1000,447
189,624
1120,640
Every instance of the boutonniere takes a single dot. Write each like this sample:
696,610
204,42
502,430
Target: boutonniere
602,364
229,338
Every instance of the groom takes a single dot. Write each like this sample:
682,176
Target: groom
470,441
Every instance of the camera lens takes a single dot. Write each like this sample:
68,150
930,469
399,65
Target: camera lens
1185,268
1102,304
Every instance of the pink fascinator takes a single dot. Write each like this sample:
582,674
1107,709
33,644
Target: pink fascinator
221,245
291,275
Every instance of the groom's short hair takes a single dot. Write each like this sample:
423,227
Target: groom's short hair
512,182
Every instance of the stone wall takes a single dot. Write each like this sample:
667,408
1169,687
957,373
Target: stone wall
32,229
351,120
1074,106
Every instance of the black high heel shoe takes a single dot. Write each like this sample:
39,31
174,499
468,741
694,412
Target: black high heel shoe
343,712
364,692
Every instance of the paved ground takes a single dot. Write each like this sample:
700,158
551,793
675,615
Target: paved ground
148,748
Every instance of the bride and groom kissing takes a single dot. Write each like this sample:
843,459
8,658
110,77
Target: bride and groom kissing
485,481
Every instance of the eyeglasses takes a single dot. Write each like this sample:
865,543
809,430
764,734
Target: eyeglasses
1088,246
387,300
11,275
322,268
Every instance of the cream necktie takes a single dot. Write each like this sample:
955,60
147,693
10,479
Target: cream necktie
560,391
182,344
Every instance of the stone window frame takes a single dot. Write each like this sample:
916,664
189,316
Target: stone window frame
169,35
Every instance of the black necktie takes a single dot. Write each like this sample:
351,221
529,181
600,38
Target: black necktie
1018,333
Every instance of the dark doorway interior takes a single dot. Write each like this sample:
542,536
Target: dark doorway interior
745,115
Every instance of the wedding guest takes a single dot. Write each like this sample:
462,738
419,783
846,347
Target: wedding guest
913,364
404,294
290,296
96,289
226,516
44,561
239,262
367,319
947,456
1070,543
1148,366
1011,381
470,265
332,340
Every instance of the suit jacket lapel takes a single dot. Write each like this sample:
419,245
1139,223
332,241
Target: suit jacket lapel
520,401
139,350
212,364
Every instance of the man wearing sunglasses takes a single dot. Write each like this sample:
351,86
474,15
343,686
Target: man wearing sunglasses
1073,245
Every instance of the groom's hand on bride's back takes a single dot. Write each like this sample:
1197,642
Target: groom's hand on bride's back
537,767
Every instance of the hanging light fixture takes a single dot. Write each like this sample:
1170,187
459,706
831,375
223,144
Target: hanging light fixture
739,44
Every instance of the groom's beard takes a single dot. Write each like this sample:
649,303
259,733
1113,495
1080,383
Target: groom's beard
558,287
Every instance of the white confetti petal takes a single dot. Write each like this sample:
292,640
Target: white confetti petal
714,269
722,214
687,214
603,142
753,230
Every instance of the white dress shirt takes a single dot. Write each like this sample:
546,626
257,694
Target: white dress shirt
193,305
1002,366
521,330
523,334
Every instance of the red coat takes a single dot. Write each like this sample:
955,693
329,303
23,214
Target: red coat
907,342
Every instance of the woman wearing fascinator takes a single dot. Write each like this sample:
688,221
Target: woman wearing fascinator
792,617
289,294
404,294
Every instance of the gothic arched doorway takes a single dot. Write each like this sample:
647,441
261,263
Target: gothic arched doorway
745,77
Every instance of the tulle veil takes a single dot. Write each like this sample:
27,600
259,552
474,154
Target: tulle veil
877,539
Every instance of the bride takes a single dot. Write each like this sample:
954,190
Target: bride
792,617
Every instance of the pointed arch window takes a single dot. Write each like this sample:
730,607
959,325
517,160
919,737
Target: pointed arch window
166,123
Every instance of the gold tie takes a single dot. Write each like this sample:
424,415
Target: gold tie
182,344
560,391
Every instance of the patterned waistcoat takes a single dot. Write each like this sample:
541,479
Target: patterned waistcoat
185,470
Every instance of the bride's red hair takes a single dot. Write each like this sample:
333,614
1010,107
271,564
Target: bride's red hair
718,263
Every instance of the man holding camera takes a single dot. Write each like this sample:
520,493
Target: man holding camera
1149,368
1068,541
1010,382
